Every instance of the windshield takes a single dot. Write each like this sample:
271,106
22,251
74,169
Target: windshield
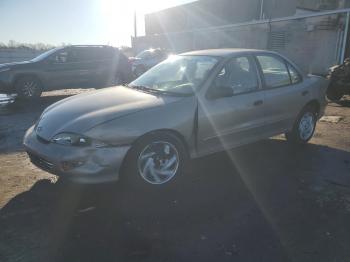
45,54
177,74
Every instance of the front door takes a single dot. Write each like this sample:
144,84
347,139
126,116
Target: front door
225,121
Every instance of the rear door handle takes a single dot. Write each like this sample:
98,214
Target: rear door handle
258,103
304,93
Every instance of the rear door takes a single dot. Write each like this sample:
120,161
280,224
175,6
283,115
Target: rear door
225,122
284,92
86,64
105,65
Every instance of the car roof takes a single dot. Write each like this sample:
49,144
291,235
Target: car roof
225,52
104,46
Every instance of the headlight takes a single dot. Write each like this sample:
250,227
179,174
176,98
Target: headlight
71,139
4,69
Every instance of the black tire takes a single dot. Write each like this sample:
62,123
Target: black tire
296,136
28,87
132,174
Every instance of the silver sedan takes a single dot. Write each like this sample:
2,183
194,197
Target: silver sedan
188,106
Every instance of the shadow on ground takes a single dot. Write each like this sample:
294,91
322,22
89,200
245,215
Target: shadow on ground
255,204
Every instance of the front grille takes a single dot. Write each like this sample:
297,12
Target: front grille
41,162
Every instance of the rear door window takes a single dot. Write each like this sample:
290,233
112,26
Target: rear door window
81,55
274,71
88,54
102,53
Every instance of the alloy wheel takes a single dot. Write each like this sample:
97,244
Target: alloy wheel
158,162
306,126
29,88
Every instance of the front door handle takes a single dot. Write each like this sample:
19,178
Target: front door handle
304,93
258,103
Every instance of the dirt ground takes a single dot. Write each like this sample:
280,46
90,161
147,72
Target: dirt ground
268,201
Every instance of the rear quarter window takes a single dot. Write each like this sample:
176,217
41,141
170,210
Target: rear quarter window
275,71
294,75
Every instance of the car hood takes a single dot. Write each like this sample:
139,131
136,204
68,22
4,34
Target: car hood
80,113
14,64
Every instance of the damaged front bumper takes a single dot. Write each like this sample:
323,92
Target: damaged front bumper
79,164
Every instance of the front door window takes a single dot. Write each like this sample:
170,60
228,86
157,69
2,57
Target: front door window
239,74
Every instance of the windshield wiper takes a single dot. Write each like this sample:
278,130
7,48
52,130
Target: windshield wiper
155,91
146,89
142,88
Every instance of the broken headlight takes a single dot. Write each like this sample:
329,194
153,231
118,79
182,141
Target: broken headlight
71,139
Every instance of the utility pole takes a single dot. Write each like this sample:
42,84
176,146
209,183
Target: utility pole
135,24
261,9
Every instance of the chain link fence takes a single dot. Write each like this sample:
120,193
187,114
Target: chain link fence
315,42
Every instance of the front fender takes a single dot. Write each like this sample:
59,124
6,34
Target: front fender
178,116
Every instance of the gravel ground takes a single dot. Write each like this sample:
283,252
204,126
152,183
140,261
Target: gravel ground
264,202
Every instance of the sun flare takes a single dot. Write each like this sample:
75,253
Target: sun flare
118,16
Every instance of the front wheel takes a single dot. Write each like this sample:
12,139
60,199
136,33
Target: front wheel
156,160
28,88
304,127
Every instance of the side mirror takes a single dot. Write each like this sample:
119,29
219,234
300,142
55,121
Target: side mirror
221,91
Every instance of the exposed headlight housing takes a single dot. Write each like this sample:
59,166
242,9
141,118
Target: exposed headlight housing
4,69
70,139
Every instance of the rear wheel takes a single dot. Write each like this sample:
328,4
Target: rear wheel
156,160
28,87
304,127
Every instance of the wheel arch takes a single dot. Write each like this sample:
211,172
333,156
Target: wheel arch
315,105
166,131
20,75
153,133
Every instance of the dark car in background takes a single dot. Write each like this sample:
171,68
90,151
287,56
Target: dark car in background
147,59
66,67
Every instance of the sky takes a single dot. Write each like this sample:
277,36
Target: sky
75,21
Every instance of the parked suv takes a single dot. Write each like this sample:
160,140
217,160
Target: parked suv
65,67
